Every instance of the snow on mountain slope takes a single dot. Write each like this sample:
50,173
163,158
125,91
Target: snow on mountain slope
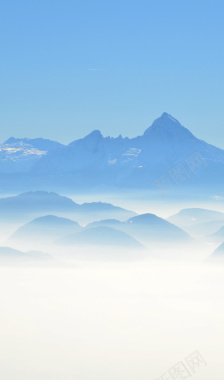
18,155
38,143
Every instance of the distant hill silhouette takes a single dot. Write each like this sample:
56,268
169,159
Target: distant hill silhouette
147,228
43,231
102,236
198,221
33,204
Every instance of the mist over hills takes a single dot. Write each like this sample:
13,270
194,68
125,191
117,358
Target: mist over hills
134,233
166,155
198,221
43,231
191,216
101,237
33,204
12,256
148,229
49,222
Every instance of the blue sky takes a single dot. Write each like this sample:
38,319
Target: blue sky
68,67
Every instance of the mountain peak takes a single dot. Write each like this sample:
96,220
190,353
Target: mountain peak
167,124
94,134
167,116
90,140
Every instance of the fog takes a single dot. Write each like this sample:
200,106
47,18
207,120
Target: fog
111,311
113,320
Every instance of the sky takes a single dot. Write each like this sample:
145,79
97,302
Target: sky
69,67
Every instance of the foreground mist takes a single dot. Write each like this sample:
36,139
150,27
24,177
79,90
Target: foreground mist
116,320
95,291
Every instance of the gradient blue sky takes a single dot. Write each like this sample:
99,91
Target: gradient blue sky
68,67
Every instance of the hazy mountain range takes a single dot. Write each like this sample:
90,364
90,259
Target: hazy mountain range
198,221
166,155
136,232
49,222
33,204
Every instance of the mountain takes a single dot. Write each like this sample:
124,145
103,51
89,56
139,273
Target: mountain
147,229
191,216
18,155
165,149
198,221
101,236
167,155
38,143
33,204
42,231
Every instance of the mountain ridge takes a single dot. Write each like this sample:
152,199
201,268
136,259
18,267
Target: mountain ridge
166,148
164,121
